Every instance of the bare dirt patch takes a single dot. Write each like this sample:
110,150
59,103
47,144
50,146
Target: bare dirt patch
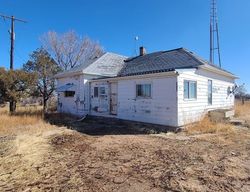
69,161
43,157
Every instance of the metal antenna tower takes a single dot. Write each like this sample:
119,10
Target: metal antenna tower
214,33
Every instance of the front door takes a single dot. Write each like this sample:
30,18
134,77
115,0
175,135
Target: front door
113,98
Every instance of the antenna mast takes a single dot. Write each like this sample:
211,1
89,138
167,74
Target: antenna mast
214,33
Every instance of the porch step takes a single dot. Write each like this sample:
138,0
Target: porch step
237,122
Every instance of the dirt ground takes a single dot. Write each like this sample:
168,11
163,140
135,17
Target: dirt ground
104,155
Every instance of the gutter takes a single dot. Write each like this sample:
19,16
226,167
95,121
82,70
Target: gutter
218,71
162,74
68,74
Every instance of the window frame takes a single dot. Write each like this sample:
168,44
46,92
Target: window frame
143,96
188,98
101,88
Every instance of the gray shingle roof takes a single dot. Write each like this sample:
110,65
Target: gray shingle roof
161,61
109,64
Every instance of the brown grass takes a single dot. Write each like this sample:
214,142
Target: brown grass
28,120
207,126
242,110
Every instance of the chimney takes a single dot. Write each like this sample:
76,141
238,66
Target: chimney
142,51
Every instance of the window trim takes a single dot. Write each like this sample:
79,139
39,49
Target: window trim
143,97
189,99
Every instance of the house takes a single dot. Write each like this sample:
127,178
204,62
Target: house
172,88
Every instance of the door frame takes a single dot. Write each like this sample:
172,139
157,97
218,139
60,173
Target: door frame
112,94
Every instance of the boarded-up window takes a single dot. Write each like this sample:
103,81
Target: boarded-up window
69,93
95,91
143,90
190,89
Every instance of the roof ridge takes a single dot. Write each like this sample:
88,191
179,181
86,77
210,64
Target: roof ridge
172,50
114,54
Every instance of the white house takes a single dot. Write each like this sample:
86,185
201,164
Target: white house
170,88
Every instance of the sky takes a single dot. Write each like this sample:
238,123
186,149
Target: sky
159,24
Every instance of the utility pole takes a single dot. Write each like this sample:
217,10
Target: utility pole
12,43
12,39
214,33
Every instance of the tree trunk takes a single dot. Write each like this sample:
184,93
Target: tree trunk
12,106
242,100
44,105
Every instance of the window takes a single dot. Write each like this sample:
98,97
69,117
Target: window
69,93
95,91
143,90
190,89
102,90
210,92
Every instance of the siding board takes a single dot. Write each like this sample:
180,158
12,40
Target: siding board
192,110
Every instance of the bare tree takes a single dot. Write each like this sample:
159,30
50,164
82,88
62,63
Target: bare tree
69,49
241,92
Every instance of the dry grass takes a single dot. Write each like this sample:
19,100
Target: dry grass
207,126
28,120
242,110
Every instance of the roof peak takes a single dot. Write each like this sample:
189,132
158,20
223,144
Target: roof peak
112,53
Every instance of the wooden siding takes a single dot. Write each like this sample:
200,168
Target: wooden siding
192,110
79,104
161,108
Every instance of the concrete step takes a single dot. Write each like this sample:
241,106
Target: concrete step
237,122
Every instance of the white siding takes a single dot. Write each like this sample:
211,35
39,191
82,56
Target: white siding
161,108
73,105
192,110
165,107
79,104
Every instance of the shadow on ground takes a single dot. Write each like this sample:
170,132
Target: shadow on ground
93,125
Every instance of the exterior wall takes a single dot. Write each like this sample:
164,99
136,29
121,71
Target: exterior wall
73,105
161,108
192,110
79,104
166,106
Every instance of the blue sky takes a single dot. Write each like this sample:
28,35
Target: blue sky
160,25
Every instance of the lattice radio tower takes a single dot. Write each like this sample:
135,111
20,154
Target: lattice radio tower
214,34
